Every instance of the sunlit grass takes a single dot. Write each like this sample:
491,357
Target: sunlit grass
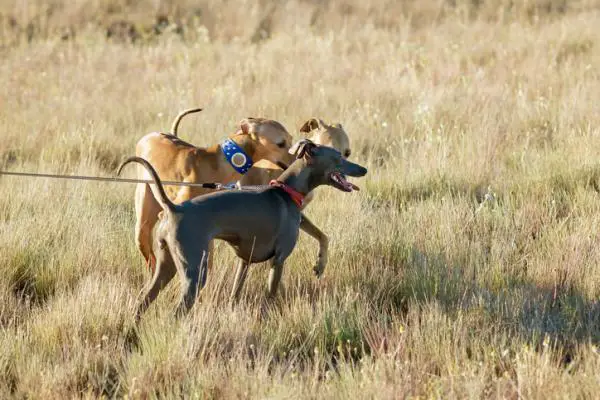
466,267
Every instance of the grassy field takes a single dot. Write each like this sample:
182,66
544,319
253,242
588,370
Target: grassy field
466,267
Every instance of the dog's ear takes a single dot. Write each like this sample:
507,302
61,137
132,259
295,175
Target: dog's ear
247,128
311,125
302,148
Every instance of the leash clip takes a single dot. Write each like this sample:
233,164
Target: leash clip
229,186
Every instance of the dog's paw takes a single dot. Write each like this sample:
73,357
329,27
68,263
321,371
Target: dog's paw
320,267
317,271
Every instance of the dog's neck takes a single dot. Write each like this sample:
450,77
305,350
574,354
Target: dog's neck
236,156
299,176
246,143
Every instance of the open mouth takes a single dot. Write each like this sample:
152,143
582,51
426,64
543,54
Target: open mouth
340,182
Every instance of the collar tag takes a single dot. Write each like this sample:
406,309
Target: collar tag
236,156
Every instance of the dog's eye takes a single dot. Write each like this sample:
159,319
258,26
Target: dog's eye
281,145
347,153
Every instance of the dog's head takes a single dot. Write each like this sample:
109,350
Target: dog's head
327,135
271,140
327,166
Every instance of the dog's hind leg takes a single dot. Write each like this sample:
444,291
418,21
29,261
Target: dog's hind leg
147,209
163,273
240,278
191,262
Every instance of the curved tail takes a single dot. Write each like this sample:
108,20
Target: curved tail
180,116
162,198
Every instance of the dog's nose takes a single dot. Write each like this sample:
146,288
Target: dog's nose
288,158
353,169
362,171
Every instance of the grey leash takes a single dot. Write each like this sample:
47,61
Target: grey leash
211,185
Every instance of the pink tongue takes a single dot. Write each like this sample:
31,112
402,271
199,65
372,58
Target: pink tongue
348,185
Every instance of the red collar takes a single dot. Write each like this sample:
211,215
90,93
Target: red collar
295,195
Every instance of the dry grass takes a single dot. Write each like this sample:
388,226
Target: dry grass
467,267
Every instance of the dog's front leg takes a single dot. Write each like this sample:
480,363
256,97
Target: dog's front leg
307,226
275,276
240,278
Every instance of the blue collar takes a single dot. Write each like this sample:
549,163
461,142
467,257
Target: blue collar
236,156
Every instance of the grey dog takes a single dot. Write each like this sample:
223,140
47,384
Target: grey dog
260,225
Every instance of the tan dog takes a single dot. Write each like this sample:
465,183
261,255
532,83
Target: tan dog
176,160
264,171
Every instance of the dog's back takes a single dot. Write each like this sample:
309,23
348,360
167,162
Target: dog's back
250,221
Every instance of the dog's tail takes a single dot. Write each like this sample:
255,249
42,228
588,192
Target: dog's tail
180,117
162,198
